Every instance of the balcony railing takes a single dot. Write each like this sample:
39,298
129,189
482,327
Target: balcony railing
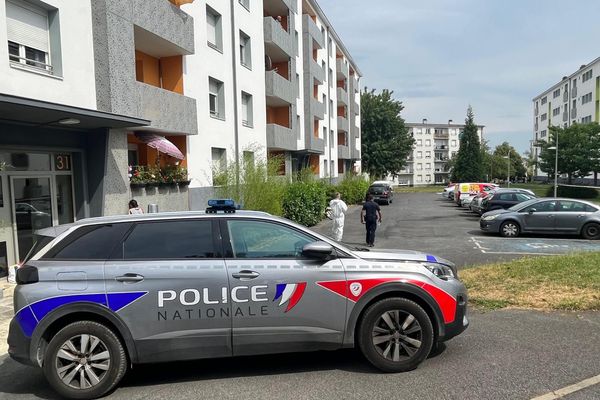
342,68
278,42
342,96
565,96
343,152
342,123
317,71
573,112
281,138
278,87
565,116
574,92
168,111
317,109
311,28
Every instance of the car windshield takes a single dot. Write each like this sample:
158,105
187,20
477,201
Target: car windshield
522,205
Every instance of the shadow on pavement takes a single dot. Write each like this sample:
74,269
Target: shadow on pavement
17,379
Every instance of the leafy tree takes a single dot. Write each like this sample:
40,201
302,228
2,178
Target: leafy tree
386,143
469,164
500,164
530,164
578,150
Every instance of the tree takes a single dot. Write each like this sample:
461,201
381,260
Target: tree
578,151
500,164
469,163
386,143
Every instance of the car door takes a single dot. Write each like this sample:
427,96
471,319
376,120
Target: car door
278,304
539,217
168,283
571,215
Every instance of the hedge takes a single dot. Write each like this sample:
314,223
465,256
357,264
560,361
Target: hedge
573,192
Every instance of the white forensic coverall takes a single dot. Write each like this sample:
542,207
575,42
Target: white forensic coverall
338,210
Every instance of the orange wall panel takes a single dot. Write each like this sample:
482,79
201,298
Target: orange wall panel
149,68
341,111
282,68
171,69
315,166
279,116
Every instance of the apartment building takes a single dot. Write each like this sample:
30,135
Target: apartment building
575,99
272,79
82,80
434,145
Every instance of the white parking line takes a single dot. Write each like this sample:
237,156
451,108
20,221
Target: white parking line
486,250
557,394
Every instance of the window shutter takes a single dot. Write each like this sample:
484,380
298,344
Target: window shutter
27,25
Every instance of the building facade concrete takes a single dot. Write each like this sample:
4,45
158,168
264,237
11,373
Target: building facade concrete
575,99
435,145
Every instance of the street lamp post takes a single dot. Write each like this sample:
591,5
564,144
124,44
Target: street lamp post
555,148
508,169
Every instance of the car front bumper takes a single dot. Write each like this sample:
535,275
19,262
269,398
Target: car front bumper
461,320
489,226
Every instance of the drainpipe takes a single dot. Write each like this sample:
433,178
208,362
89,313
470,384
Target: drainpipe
327,105
236,129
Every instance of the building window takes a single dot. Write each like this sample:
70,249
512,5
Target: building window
331,108
428,166
216,99
587,76
419,142
219,166
214,28
544,100
248,158
556,111
245,50
586,120
325,164
586,98
245,4
30,30
419,178
544,117
427,154
330,77
556,93
419,167
428,142
543,133
247,119
419,154
454,143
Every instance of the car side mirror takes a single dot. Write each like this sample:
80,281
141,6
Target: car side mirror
317,250
531,211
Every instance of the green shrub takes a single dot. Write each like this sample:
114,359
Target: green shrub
573,192
304,202
353,188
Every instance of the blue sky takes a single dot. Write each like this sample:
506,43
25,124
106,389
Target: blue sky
439,56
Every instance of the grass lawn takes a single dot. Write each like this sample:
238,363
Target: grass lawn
569,282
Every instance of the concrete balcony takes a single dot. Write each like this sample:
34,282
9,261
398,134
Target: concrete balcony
342,96
317,109
279,7
279,91
281,138
310,28
343,152
565,96
169,111
341,68
356,108
279,44
354,84
565,117
354,153
314,144
342,124
316,71
574,92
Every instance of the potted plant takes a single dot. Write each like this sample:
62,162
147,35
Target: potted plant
168,176
137,177
182,177
153,177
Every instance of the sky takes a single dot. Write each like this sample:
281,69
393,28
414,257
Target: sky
440,56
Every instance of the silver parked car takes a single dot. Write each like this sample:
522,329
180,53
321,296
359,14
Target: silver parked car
545,215
102,294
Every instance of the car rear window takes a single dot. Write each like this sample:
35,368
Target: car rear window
39,242
93,242
182,239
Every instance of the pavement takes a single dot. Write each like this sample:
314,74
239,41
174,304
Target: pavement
504,354
6,312
427,222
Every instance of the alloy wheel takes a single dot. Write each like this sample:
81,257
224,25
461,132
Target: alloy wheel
510,229
397,335
83,361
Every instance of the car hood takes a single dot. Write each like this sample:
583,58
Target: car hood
496,212
401,255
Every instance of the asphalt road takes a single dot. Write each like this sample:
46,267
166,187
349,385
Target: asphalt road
428,223
503,355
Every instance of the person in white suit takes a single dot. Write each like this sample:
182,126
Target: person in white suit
338,214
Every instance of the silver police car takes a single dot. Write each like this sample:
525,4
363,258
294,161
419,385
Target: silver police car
98,296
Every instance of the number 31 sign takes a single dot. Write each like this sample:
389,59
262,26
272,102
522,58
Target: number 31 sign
62,162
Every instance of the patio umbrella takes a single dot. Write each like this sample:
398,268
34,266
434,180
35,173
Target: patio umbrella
160,143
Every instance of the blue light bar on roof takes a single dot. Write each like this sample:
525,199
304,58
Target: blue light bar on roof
226,203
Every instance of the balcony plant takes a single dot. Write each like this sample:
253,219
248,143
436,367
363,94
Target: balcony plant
137,177
181,176
153,177
168,175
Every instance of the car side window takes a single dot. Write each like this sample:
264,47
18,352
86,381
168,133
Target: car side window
180,239
590,209
262,239
572,206
544,206
505,197
522,197
93,242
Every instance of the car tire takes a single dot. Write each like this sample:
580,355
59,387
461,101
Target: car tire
510,229
387,343
77,345
591,231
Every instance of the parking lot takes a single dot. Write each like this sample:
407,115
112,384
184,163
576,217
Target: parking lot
426,222
504,354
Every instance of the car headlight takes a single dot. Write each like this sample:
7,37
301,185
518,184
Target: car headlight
440,270
489,217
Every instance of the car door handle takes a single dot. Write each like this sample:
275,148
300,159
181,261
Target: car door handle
550,216
245,275
129,278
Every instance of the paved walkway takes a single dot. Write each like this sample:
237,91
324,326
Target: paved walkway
6,313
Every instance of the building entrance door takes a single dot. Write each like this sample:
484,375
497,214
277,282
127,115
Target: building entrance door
33,209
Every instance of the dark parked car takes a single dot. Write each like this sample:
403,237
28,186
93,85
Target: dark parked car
545,215
382,192
504,199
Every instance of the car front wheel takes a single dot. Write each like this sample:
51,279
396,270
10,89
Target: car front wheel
591,231
84,360
395,335
510,229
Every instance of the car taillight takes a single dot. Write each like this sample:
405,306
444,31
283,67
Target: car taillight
27,274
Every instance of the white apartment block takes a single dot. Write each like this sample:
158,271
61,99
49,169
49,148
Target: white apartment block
434,145
575,99
270,77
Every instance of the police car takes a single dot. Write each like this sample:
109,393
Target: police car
98,296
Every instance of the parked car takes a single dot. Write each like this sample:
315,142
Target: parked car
545,215
382,192
504,199
468,190
100,294
448,191
475,205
